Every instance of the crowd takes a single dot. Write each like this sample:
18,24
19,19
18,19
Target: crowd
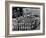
27,21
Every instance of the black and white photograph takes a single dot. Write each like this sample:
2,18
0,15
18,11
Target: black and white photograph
25,18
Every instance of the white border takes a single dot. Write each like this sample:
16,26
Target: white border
24,32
